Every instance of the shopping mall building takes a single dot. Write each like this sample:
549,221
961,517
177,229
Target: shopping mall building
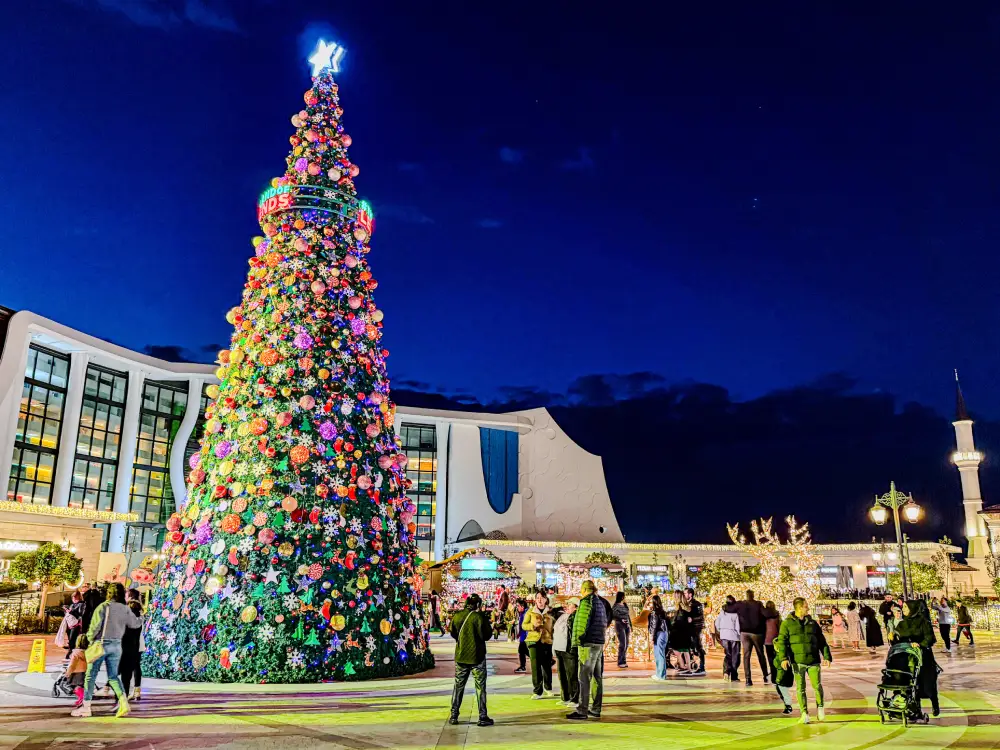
94,439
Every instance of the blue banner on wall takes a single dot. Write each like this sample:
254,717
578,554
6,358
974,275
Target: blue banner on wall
499,451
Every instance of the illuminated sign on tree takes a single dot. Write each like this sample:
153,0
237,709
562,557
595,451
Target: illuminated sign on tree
275,199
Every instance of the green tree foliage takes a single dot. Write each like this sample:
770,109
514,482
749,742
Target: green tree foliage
925,578
50,565
722,571
603,557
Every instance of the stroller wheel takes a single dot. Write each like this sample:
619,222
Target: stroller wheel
55,690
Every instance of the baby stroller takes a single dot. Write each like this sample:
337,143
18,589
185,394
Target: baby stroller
61,687
897,692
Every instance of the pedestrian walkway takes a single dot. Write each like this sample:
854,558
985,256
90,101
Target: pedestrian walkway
411,713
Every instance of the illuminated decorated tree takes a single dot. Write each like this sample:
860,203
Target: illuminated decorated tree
294,558
784,572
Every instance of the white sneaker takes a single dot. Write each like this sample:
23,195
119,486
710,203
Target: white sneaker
804,718
83,711
536,697
654,678
820,713
548,694
104,692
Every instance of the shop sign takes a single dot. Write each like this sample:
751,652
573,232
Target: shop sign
652,568
15,545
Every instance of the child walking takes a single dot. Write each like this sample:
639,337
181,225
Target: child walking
77,669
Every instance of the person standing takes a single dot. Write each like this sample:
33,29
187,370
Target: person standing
567,655
838,628
522,647
945,620
131,663
873,633
436,612
680,634
752,631
659,637
74,615
915,628
854,630
622,619
727,624
885,610
697,614
471,630
503,600
772,622
107,626
538,628
800,645
589,631
92,599
964,624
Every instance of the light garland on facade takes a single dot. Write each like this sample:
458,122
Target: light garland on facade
641,547
83,514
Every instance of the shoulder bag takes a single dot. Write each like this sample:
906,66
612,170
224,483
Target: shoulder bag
96,649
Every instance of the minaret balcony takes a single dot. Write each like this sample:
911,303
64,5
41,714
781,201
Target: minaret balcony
966,458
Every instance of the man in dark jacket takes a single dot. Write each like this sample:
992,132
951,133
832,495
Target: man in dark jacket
801,646
471,630
885,609
697,616
752,630
589,631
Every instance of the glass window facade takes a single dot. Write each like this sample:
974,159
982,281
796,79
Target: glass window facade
39,420
98,440
420,446
194,441
151,496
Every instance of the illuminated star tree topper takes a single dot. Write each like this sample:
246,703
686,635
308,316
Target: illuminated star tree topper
327,55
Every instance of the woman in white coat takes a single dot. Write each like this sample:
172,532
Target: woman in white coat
855,633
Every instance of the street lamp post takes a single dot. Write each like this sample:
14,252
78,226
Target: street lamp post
894,500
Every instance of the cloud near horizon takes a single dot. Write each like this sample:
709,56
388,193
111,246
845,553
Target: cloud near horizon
170,14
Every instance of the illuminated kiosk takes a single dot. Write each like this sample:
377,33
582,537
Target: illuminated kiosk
474,571
608,577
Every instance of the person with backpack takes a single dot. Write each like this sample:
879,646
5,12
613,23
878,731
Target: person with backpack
801,646
471,630
964,624
589,631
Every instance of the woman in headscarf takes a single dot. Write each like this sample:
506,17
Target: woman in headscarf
873,632
916,628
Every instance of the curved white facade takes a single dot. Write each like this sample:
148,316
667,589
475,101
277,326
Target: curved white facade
553,490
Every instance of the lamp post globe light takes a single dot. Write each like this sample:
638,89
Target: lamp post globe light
894,500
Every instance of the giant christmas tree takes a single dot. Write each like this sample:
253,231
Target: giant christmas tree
293,559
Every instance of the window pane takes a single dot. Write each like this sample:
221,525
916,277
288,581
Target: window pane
50,435
60,372
118,391
37,403
111,447
29,367
33,430
115,415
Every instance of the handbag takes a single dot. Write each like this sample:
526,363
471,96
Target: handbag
62,637
96,649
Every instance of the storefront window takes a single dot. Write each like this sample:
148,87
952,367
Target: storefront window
420,446
98,440
151,496
39,420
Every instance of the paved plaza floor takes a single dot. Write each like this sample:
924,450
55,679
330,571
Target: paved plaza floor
412,712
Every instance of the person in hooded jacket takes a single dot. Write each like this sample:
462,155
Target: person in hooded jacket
659,626
873,632
727,625
916,628
567,655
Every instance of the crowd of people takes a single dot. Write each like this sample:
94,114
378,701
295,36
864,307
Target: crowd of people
790,652
103,629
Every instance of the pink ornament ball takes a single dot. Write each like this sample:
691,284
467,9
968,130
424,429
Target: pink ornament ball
311,136
351,261
354,302
371,430
346,139
364,481
384,462
313,169
301,164
401,460
307,402
266,536
301,245
195,461
355,170
318,287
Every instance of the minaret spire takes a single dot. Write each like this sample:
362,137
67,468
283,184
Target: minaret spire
961,412
967,459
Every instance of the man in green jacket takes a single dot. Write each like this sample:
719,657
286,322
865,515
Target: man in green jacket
471,630
800,646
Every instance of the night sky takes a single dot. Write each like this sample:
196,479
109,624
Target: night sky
753,196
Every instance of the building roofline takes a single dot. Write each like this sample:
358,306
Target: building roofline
653,547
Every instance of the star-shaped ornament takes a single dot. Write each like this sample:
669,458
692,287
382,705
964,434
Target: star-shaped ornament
203,613
327,55
271,576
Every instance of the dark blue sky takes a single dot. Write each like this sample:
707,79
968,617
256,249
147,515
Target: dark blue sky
752,195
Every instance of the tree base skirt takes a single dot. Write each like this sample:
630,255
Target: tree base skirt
215,673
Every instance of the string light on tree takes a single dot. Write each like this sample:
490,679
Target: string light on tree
294,558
